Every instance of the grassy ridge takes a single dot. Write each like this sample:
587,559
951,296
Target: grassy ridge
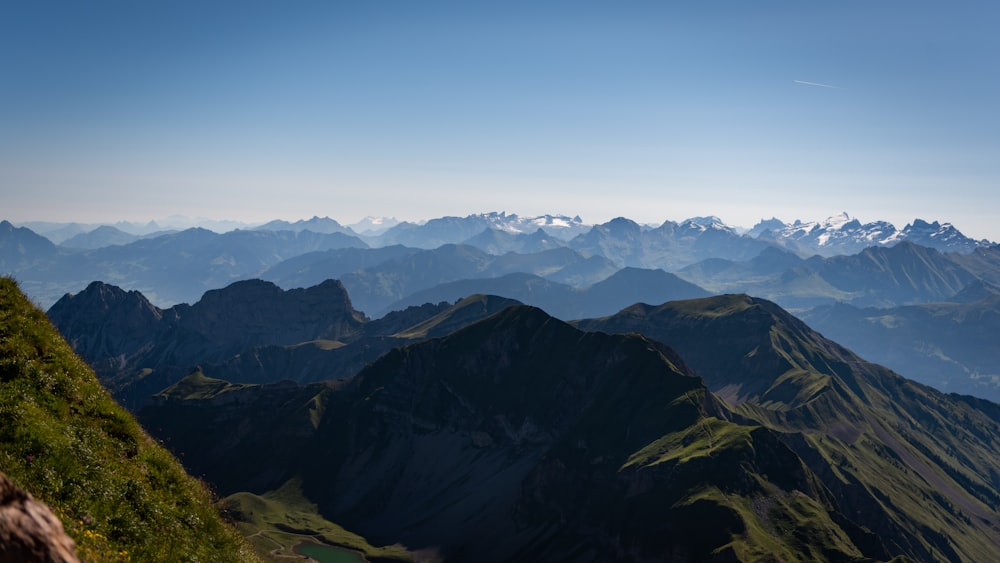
120,496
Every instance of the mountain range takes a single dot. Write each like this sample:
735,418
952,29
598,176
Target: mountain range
521,437
501,388
116,255
569,279
400,278
841,234
249,332
877,276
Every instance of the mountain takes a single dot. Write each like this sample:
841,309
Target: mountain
877,276
619,240
249,332
376,289
496,241
57,232
949,346
455,230
519,438
772,224
912,465
320,360
558,264
669,246
944,237
313,268
170,268
373,226
173,267
721,274
983,263
120,496
627,286
102,236
555,298
323,225
905,273
138,349
20,247
378,277
633,285
841,234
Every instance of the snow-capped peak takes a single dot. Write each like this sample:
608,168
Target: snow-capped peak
705,223
843,234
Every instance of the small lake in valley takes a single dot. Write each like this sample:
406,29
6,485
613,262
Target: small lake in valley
329,554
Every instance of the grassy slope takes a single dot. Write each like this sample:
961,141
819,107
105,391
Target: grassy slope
62,437
278,520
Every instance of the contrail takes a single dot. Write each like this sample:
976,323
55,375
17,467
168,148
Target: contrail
803,82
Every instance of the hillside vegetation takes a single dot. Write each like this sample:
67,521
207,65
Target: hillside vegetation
120,496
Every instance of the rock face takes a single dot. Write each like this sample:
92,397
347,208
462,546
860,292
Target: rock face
107,322
29,532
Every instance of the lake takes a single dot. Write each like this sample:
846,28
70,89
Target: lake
328,554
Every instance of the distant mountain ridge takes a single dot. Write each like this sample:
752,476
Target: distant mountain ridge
837,234
949,345
878,276
842,234
151,261
168,268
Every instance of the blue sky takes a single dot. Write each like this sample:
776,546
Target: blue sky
652,110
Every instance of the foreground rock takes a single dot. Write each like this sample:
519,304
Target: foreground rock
29,531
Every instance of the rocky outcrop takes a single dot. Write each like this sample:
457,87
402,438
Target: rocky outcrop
124,337
107,324
29,531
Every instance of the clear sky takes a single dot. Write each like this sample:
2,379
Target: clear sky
250,110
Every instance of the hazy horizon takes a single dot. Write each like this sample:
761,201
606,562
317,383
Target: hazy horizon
259,111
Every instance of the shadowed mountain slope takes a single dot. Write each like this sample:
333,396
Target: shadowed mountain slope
921,465
126,339
520,438
250,332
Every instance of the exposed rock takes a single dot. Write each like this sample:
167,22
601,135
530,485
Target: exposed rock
29,531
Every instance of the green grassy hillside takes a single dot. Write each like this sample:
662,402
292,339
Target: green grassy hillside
120,495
